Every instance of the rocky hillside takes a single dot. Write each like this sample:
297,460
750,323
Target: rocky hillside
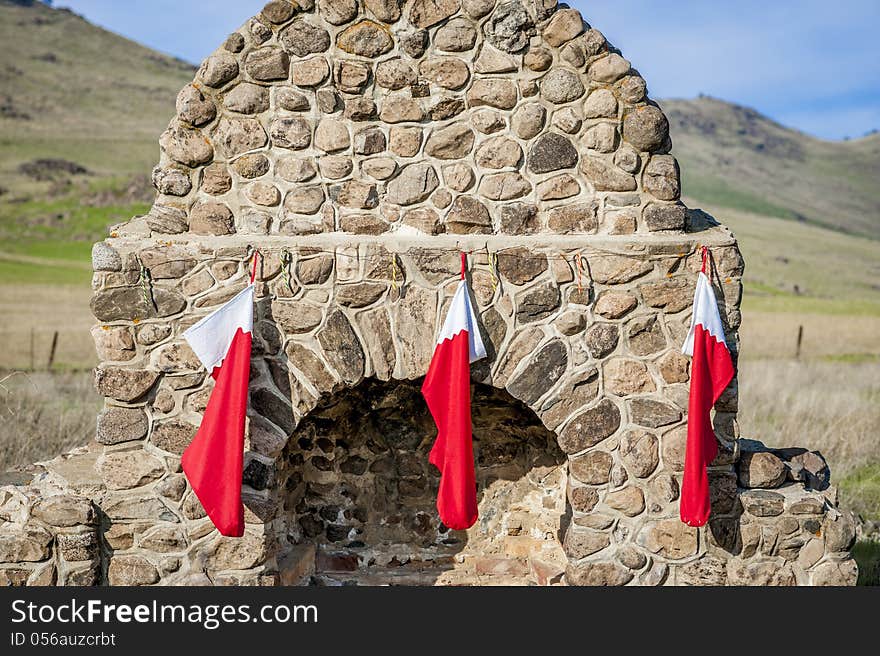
734,157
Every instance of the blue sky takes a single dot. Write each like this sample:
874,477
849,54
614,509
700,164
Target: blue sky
810,64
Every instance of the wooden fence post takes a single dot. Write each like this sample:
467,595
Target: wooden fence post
52,352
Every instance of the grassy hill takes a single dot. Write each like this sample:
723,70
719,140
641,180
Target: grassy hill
80,114
732,156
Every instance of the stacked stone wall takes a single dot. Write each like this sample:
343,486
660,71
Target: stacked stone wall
359,146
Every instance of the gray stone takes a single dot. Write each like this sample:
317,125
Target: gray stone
414,184
303,38
662,178
369,141
235,136
173,436
528,121
278,11
186,145
247,98
291,133
662,216
654,414
342,348
387,11
519,266
617,269
193,108
601,138
498,153
218,69
453,142
645,336
561,86
510,27
268,64
396,74
601,339
646,128
105,258
519,219
590,427
540,374
171,181
672,295
295,170
836,573
762,503
458,35
414,43
124,384
116,425
216,180
605,176
537,303
552,152
304,200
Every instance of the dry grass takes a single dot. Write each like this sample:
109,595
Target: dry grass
832,407
44,415
45,309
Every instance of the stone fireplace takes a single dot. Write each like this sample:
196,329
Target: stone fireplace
360,145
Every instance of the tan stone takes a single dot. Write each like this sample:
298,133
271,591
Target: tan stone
630,501
559,187
609,69
128,469
627,377
501,94
499,153
127,570
504,186
594,468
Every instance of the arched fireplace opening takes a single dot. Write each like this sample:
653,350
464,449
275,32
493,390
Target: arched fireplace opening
355,482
